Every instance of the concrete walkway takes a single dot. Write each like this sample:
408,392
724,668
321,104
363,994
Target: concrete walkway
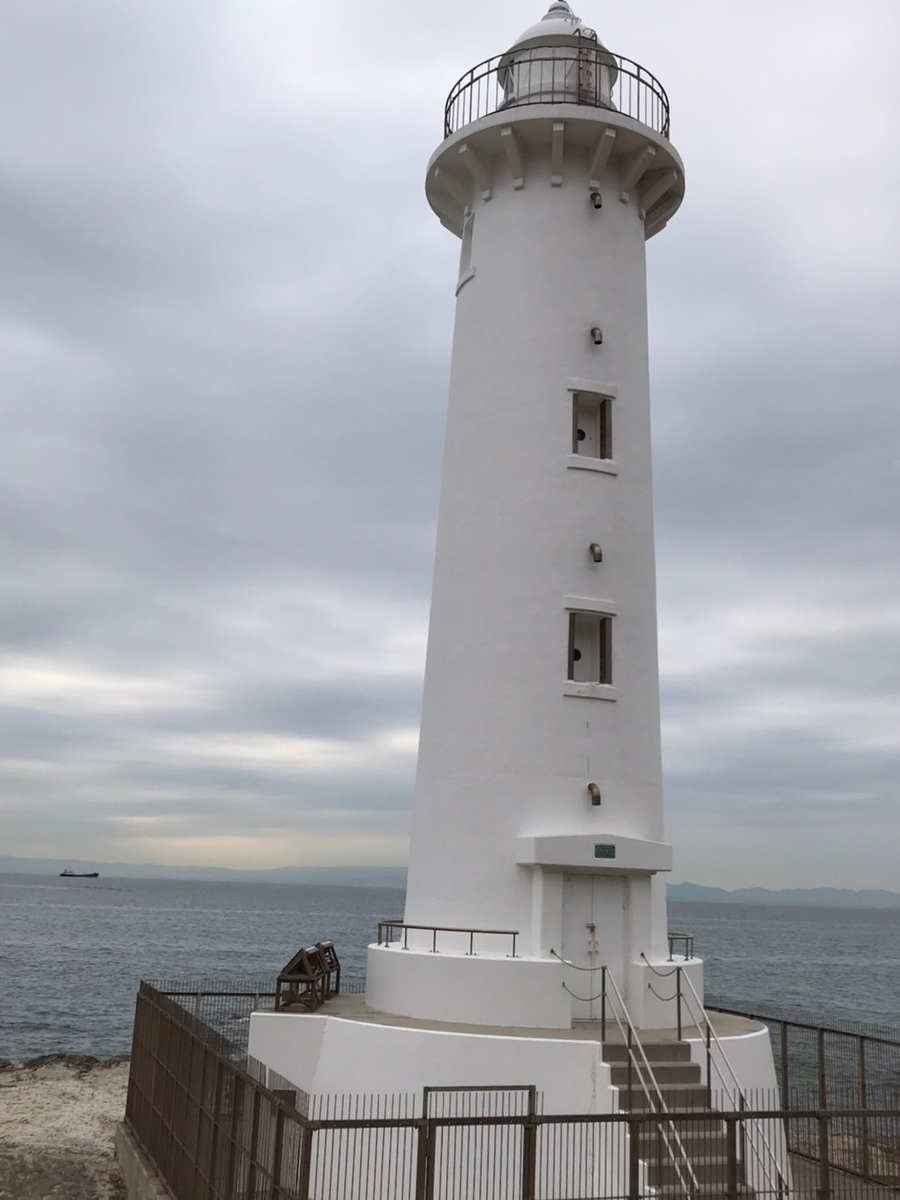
353,1008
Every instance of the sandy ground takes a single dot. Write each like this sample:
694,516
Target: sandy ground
57,1124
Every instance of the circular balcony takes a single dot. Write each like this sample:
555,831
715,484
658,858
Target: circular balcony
586,74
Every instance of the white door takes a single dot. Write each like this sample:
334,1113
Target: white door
594,923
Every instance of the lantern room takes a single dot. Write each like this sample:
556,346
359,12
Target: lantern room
558,61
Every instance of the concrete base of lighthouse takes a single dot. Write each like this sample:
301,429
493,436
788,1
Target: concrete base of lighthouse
458,1019
348,1048
358,1051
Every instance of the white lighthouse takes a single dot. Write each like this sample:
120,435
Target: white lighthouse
538,804
536,901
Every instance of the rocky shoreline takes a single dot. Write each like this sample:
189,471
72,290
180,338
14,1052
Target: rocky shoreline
58,1116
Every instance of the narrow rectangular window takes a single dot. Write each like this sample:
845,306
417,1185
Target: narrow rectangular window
591,425
590,648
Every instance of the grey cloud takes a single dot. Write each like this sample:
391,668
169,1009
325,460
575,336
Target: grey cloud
225,322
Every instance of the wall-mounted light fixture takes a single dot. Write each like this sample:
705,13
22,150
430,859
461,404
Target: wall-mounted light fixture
596,200
597,335
596,552
594,793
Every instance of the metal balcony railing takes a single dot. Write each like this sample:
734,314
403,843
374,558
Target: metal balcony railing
393,932
685,940
585,74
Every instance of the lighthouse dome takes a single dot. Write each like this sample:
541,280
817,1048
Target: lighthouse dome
559,26
558,60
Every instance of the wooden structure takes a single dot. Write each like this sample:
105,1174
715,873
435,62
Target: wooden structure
310,978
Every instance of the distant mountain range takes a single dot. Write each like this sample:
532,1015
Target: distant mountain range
395,877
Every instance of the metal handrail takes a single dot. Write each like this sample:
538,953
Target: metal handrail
631,1039
687,939
586,75
782,1181
386,929
634,1038
700,1015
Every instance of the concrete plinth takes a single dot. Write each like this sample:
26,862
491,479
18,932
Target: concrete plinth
349,1048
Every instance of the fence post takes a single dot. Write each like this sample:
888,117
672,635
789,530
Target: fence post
820,1064
277,1152
253,1170
731,1156
742,1164
215,1133
203,1155
529,1158
237,1112
678,998
785,1079
422,1156
430,1163
634,1161
864,1103
305,1170
823,1191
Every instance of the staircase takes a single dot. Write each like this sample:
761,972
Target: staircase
700,1145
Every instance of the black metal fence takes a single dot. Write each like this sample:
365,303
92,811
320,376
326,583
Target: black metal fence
217,1131
211,1130
586,75
226,1006
826,1061
820,1060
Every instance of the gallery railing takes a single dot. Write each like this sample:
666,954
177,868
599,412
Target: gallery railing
586,75
461,940
216,1130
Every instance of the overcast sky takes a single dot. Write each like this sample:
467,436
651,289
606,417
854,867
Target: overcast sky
225,323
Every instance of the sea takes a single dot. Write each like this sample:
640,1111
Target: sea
73,951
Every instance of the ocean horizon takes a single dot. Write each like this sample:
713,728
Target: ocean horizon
395,877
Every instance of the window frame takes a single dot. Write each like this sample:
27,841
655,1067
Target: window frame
604,417
605,648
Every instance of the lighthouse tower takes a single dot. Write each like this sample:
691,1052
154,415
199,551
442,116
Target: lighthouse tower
538,803
536,911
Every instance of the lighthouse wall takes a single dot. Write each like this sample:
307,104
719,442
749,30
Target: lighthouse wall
509,743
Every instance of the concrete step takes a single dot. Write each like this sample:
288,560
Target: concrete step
676,1096
665,1073
617,1052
